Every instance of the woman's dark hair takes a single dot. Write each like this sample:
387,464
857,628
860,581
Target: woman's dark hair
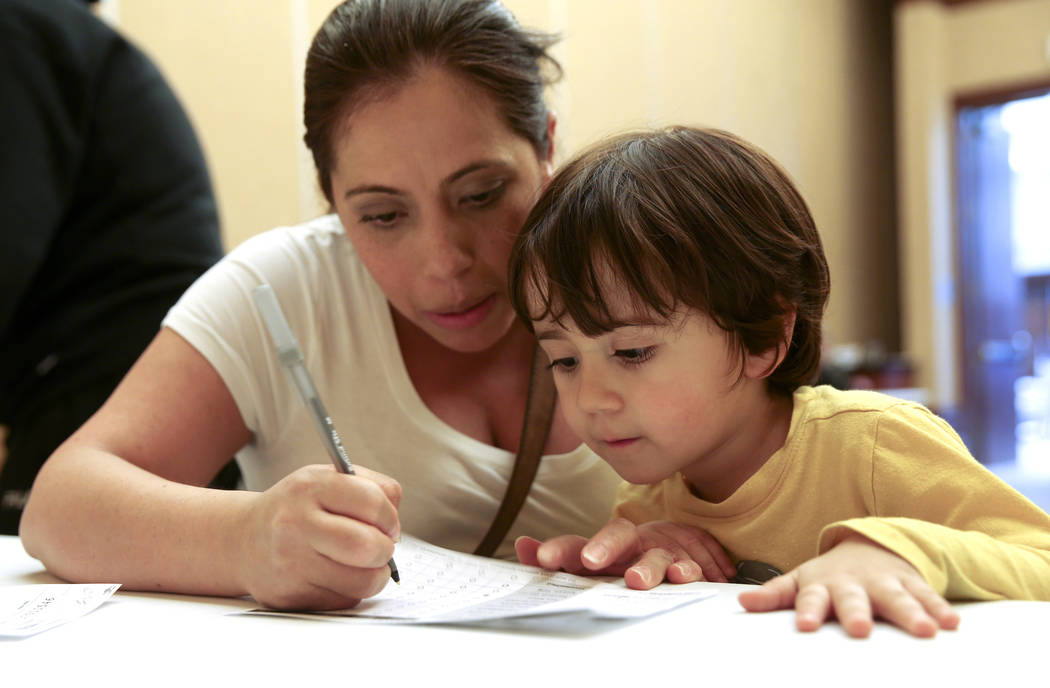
367,46
678,217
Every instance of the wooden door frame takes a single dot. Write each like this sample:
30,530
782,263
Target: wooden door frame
999,95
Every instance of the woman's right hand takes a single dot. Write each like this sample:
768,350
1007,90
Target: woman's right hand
123,500
320,539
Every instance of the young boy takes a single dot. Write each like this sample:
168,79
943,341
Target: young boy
677,283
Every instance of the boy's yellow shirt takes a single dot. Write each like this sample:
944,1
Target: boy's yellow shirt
885,468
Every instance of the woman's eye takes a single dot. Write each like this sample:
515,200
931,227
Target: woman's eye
565,364
635,356
486,197
380,219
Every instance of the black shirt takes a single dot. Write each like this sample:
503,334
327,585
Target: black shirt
106,207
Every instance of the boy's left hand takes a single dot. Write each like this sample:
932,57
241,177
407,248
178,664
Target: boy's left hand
645,555
856,580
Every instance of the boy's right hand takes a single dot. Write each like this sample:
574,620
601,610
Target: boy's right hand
645,555
320,539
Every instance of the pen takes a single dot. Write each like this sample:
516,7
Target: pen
291,358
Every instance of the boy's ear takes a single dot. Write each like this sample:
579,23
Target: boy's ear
759,366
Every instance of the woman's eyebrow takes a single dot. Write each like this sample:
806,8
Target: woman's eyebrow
458,174
473,167
373,188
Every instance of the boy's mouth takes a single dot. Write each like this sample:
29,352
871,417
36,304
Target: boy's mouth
620,443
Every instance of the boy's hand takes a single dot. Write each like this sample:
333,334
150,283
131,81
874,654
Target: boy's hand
644,555
856,580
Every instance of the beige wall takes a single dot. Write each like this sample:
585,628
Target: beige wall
795,77
231,63
809,80
941,52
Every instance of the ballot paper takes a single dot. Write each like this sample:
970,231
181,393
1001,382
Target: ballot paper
29,609
442,586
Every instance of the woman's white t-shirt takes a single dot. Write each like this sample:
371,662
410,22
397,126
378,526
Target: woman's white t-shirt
452,484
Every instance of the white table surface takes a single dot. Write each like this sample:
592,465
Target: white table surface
148,639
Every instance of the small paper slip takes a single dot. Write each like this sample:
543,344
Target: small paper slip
29,609
442,586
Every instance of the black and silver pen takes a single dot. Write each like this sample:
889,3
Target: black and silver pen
291,358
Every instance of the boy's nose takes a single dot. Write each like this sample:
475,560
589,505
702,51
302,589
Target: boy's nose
594,394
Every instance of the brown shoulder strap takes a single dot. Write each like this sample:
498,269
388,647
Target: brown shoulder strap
539,412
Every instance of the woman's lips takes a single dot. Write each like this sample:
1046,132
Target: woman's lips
465,319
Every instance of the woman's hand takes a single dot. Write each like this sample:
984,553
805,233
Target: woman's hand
856,580
320,539
644,555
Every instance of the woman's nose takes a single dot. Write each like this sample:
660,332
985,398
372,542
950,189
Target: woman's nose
449,248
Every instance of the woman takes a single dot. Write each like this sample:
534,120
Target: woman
431,139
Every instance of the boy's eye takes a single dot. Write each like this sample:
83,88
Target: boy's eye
635,356
567,363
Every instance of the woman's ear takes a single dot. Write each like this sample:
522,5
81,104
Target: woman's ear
548,162
762,365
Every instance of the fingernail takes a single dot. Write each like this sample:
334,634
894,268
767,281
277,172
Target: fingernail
594,554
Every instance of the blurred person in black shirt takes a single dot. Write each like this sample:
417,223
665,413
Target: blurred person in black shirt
106,216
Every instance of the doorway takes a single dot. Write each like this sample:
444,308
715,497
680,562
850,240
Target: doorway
1003,220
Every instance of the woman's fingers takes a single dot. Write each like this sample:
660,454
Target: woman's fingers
390,487
349,542
359,497
329,585
320,539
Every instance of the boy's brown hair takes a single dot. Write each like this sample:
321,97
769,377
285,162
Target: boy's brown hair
678,217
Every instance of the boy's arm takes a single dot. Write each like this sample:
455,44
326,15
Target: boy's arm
960,562
943,527
969,534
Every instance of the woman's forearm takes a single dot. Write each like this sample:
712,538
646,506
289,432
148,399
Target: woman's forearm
92,516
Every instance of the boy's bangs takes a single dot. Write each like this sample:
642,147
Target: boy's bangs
606,284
